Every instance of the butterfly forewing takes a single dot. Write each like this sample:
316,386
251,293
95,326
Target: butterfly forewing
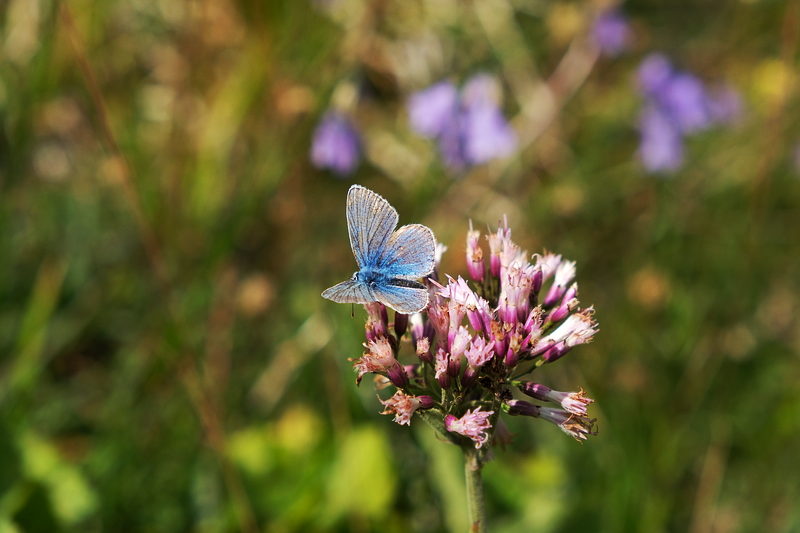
350,292
410,252
370,222
404,296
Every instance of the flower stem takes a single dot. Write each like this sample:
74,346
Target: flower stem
475,504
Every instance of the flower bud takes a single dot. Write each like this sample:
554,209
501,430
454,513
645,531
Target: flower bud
499,338
400,324
468,378
377,325
536,281
460,343
521,408
563,275
572,402
397,375
424,350
512,358
555,352
475,265
441,368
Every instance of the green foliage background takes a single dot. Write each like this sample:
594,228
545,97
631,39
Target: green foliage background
167,363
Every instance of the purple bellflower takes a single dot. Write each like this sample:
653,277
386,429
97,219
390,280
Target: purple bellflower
654,73
469,125
725,105
677,104
611,33
661,148
429,110
685,99
336,145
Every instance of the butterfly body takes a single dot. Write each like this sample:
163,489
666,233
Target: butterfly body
389,260
371,277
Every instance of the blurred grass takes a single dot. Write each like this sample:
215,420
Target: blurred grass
180,372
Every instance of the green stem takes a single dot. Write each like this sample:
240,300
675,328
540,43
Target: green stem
475,503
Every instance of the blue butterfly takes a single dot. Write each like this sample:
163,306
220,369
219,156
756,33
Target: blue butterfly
389,261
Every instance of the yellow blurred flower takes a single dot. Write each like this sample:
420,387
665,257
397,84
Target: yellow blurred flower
564,21
773,80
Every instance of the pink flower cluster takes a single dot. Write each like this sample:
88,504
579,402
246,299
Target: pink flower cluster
477,338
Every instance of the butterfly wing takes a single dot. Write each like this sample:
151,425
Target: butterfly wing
402,295
370,223
410,252
350,292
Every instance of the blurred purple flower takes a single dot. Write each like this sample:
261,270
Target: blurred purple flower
336,144
431,109
481,89
452,143
470,128
661,148
685,99
654,72
725,105
487,134
611,33
677,104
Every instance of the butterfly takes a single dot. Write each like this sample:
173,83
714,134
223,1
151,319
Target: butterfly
389,261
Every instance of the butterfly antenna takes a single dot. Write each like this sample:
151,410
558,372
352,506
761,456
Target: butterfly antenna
352,310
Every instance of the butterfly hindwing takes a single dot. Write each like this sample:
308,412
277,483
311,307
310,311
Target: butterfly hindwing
404,296
409,253
350,292
370,223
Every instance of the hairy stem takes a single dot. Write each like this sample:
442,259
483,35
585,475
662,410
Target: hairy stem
475,503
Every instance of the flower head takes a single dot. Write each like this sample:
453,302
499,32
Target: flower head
379,358
403,406
475,265
498,243
479,352
578,328
516,284
548,263
423,349
336,145
577,427
441,367
460,299
377,320
474,424
460,342
479,337
572,402
564,273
